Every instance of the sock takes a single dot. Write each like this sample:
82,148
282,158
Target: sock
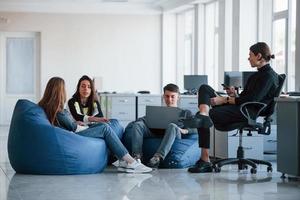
203,113
128,158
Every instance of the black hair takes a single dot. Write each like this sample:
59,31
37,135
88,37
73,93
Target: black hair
171,87
263,49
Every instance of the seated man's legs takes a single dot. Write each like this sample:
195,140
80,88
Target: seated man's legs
171,133
139,130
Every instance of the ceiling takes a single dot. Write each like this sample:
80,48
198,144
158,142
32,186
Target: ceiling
143,7
83,6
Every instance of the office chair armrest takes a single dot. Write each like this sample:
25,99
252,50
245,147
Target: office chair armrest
252,114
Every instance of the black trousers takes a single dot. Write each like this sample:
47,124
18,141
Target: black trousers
220,115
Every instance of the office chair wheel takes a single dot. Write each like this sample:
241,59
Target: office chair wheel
217,169
243,167
269,169
253,171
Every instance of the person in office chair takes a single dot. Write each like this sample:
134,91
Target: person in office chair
139,130
260,87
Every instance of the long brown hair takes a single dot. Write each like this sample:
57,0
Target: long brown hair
91,99
54,98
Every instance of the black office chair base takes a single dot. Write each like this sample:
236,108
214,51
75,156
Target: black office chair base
242,164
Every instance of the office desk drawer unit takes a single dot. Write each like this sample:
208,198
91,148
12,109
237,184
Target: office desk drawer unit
121,107
189,102
288,135
226,145
144,100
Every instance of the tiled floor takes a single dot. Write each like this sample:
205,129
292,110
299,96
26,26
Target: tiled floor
161,184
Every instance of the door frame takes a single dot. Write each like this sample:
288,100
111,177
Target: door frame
37,76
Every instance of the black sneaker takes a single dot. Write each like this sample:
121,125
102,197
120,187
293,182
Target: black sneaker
192,122
201,167
205,120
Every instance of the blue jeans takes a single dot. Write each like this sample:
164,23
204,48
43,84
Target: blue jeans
110,132
139,131
105,131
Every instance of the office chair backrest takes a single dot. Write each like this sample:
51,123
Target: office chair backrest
269,110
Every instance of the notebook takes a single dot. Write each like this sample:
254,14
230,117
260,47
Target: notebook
159,117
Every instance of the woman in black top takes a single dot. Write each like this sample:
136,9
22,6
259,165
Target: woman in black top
84,105
260,87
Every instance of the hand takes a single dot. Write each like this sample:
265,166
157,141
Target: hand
230,91
184,131
102,119
98,119
80,123
217,101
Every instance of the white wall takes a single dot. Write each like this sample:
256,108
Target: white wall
168,48
123,49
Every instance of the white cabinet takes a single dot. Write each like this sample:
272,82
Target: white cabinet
226,144
189,102
121,107
144,100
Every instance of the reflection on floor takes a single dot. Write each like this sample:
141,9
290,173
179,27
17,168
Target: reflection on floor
161,184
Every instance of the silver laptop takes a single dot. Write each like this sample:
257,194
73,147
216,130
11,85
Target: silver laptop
159,117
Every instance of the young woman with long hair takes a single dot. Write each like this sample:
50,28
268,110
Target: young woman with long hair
84,105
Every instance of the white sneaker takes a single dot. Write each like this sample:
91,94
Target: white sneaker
135,167
119,163
122,163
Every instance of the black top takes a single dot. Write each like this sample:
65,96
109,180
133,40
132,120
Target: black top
79,111
260,87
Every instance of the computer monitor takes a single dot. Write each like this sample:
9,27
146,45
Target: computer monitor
237,79
193,82
246,76
233,78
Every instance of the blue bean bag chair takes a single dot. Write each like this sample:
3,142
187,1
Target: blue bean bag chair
184,152
37,147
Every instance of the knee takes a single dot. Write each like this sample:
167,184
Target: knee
172,126
203,89
138,124
114,123
173,129
137,127
106,128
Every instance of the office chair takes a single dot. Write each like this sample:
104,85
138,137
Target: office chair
251,124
